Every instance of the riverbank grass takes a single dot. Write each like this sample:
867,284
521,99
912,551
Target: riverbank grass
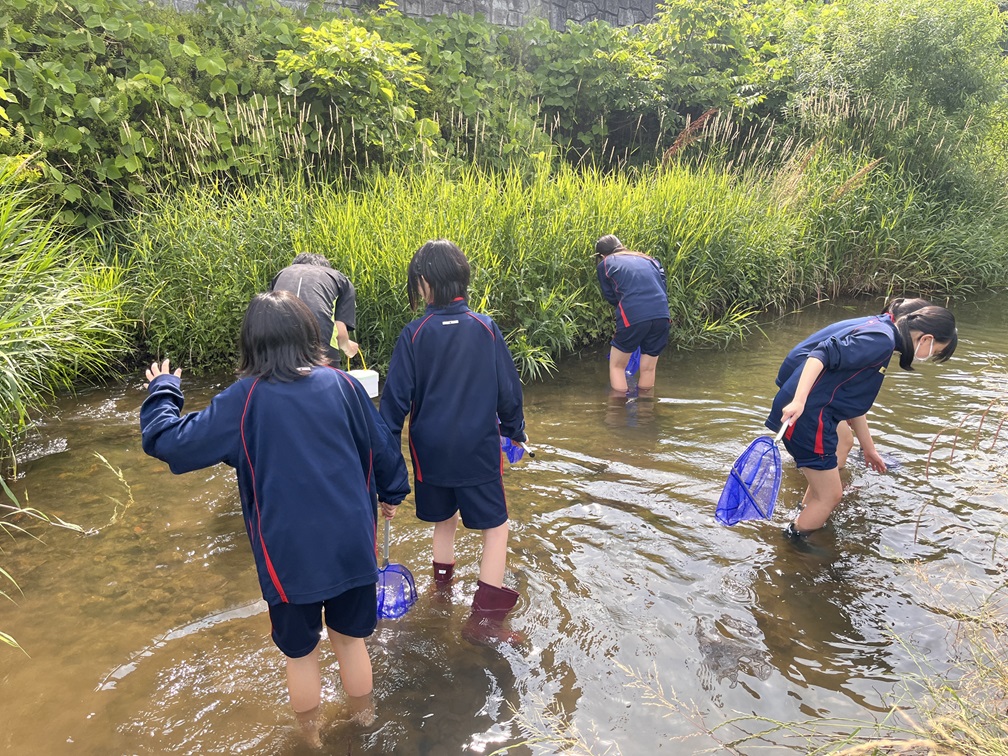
734,243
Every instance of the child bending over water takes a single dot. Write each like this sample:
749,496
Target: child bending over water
856,426
826,381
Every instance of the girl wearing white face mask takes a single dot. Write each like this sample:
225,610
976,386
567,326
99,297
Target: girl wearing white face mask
856,426
837,379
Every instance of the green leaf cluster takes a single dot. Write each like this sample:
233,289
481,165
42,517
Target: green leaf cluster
919,83
116,99
119,98
94,85
361,85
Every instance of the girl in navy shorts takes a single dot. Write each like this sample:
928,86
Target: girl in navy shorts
453,376
312,458
827,382
634,284
858,426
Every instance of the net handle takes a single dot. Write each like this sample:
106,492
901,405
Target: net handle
388,527
780,433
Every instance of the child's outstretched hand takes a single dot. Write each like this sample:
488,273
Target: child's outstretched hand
874,460
163,369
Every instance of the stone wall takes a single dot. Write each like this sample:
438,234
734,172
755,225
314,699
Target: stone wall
557,12
508,12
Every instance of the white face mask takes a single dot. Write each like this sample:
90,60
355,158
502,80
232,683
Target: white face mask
930,350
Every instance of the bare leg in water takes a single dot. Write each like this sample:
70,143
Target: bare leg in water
304,683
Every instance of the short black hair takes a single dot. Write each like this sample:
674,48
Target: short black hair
445,269
311,258
279,338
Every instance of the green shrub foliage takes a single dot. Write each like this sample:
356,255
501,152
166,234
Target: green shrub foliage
356,85
765,151
119,98
915,82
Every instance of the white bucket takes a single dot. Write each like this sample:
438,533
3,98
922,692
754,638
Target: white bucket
369,379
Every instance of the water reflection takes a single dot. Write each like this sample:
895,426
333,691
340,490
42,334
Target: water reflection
822,626
148,636
630,408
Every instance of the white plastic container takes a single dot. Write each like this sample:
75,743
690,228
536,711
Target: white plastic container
368,379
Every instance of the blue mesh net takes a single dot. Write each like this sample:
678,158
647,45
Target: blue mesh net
751,490
633,364
396,591
511,450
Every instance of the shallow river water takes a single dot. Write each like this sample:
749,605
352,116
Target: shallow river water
650,627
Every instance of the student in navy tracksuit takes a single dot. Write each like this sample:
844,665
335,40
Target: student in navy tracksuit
858,426
452,374
823,383
635,285
312,458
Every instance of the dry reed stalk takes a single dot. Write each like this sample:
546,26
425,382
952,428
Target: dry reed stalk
956,434
917,747
688,135
788,181
854,180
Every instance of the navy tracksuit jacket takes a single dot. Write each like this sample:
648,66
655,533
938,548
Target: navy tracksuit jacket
452,374
311,456
856,354
635,285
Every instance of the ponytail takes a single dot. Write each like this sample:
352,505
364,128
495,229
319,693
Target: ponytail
900,306
906,349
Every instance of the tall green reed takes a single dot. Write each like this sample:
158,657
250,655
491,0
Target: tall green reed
63,313
744,221
868,223
199,256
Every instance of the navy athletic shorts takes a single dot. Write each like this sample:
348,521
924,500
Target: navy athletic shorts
805,457
482,507
298,627
651,336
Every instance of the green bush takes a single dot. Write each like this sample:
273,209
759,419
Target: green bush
598,88
481,97
119,98
916,82
358,85
719,54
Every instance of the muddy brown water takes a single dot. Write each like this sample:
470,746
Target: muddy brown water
648,625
